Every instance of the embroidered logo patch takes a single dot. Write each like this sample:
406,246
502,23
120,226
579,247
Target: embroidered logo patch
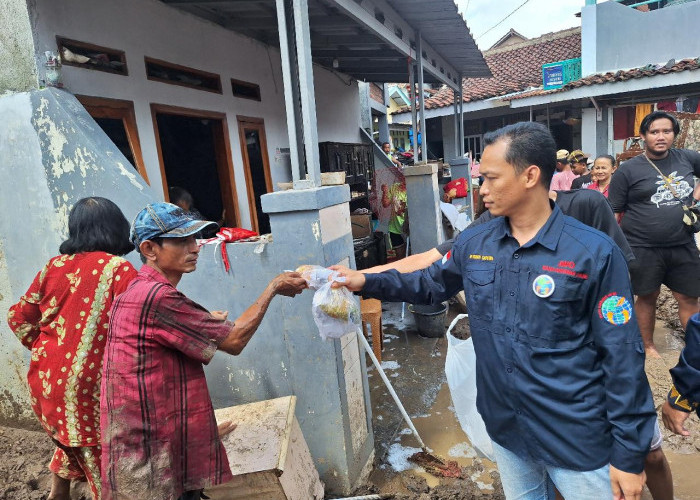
543,286
615,310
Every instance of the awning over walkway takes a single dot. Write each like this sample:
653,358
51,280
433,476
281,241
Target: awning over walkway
370,40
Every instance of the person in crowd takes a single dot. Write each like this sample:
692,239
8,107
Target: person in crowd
570,171
553,327
585,179
603,169
386,147
62,319
156,413
183,199
394,197
579,162
684,396
642,195
562,159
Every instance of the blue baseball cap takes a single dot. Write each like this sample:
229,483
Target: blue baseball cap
165,220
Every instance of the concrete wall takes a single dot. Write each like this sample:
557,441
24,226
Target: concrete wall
617,37
18,70
52,153
150,28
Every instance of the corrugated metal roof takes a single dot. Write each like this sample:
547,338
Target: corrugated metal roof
356,50
444,28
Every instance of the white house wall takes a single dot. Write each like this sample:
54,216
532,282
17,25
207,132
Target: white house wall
150,28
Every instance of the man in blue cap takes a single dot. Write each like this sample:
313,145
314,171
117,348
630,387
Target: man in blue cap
158,428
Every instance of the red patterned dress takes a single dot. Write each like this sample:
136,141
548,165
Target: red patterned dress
63,320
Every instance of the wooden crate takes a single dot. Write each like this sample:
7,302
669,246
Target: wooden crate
268,455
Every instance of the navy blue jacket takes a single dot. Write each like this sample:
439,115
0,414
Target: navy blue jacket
686,374
560,372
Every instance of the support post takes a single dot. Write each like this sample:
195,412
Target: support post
306,86
295,46
460,98
414,117
456,119
292,101
421,100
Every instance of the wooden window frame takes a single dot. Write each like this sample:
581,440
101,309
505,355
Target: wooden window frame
222,144
102,107
251,85
62,41
259,123
187,69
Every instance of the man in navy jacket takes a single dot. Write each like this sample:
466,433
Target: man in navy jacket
560,361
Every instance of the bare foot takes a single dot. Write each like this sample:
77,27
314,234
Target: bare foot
652,352
60,488
226,427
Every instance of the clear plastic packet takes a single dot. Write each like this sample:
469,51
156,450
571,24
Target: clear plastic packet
336,311
316,276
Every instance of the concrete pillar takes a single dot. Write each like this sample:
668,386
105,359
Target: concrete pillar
423,201
384,129
365,109
329,378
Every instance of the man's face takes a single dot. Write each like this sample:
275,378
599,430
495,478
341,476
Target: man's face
579,168
386,148
502,189
177,255
560,166
659,138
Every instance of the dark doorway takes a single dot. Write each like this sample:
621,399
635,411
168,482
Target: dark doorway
117,119
195,156
563,135
257,169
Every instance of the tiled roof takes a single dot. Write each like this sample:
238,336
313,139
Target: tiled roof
621,76
514,67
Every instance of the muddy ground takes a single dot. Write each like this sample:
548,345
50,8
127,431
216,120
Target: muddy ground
415,367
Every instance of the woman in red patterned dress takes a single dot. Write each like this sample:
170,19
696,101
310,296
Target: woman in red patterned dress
63,320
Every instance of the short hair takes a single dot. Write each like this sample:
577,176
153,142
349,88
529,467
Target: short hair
176,194
613,162
658,115
529,143
96,224
563,161
386,143
158,240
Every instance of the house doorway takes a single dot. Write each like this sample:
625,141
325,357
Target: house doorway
195,154
257,169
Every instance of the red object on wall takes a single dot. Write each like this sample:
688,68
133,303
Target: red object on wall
623,122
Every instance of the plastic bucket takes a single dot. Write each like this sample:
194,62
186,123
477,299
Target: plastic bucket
430,319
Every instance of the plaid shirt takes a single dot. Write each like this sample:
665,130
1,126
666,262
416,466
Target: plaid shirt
160,437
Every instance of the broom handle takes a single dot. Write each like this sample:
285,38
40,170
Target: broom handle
368,349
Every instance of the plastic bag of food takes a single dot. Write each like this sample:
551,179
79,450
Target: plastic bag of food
335,311
315,276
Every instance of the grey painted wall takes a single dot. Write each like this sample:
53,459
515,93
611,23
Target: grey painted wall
52,153
18,71
622,38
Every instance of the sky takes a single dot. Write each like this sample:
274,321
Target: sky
533,19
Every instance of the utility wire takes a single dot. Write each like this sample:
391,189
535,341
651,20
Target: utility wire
501,21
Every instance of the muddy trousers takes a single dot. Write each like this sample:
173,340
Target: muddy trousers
79,464
525,480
